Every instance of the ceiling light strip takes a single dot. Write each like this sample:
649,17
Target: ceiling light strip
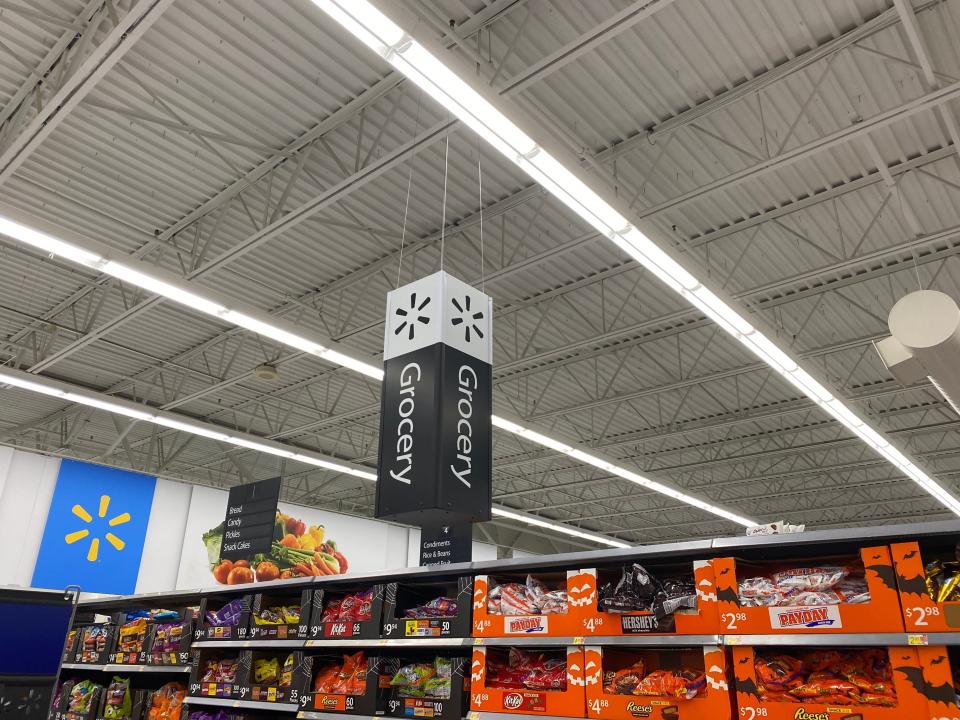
136,411
565,529
397,47
168,285
609,467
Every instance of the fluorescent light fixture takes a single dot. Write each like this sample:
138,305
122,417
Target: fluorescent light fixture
160,287
48,243
443,85
565,529
338,358
109,406
764,348
285,337
25,381
572,192
655,259
605,465
842,413
809,386
369,25
196,429
718,311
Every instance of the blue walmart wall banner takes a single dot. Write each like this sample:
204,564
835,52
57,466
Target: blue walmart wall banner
95,529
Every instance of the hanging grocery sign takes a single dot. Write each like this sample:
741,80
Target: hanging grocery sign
435,434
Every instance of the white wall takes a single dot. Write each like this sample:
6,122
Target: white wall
163,543
27,481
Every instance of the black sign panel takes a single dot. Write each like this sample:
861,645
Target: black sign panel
435,438
249,523
446,543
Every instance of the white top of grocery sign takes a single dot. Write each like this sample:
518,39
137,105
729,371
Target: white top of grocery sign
439,308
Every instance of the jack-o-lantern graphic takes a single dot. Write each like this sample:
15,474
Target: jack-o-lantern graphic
582,589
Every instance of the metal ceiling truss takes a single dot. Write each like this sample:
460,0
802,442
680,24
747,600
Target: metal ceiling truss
199,379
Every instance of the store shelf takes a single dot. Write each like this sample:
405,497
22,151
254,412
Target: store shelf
517,641
829,640
477,715
128,668
241,704
314,715
654,640
248,644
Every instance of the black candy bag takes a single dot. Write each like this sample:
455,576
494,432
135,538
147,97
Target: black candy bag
678,593
637,589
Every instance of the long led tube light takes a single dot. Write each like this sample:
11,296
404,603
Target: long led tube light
127,408
168,285
397,47
537,522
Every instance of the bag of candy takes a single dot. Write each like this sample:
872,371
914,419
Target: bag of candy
816,579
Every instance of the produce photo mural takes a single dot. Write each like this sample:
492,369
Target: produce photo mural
298,550
306,542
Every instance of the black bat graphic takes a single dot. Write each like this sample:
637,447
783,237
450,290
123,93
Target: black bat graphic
912,586
744,661
885,575
748,687
910,555
937,661
934,693
724,571
728,595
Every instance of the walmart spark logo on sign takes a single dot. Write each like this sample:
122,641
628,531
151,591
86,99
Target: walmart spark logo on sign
81,512
95,530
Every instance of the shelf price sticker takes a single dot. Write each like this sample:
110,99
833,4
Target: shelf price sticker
916,639
478,641
578,640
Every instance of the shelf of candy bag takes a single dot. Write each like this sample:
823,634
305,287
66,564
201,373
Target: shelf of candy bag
76,699
854,594
136,639
428,610
674,599
411,683
865,683
594,681
405,683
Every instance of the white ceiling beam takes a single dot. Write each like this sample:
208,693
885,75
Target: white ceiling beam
884,20
911,26
36,79
58,107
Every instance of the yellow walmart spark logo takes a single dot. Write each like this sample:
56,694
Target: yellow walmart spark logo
94,551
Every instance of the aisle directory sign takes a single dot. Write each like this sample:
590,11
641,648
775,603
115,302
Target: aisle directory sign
249,523
446,543
435,435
